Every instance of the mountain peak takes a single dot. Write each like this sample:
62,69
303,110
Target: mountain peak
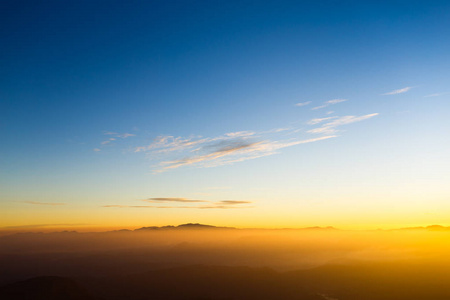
183,226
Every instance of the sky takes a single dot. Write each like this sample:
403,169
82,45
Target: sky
265,114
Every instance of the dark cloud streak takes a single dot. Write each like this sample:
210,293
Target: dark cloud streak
183,200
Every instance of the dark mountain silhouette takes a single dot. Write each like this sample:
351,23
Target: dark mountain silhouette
427,228
45,288
196,226
201,282
367,281
184,226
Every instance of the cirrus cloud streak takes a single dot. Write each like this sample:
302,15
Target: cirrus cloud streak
330,127
399,91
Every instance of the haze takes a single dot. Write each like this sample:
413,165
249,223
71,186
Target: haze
310,263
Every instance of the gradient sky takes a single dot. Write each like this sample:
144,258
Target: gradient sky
232,113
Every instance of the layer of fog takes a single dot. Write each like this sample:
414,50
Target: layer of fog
131,251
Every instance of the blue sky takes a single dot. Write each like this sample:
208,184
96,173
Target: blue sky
112,103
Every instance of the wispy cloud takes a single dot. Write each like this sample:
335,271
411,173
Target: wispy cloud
169,152
233,151
42,203
113,137
164,144
186,203
319,120
435,95
212,206
330,127
303,103
168,143
183,200
118,135
125,135
399,91
335,101
329,102
239,134
276,130
233,202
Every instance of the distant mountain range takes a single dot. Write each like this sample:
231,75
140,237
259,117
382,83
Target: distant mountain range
183,226
428,228
195,226
316,228
204,226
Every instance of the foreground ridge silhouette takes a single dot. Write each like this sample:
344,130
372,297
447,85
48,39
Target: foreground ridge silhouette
45,288
342,282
